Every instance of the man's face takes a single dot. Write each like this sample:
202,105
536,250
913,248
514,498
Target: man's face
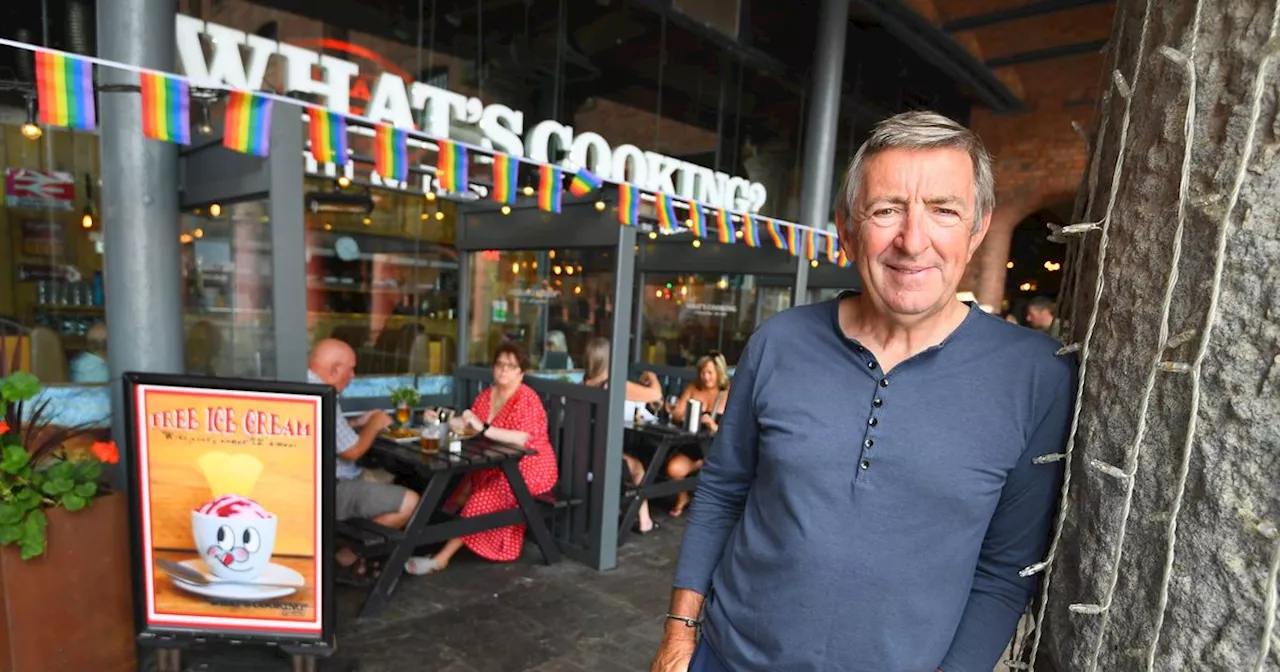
913,231
1040,318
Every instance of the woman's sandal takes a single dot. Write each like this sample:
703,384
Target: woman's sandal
636,528
354,574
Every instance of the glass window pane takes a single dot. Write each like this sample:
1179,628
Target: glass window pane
228,315
383,277
52,288
686,316
549,301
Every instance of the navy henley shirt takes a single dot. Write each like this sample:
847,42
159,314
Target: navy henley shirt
856,521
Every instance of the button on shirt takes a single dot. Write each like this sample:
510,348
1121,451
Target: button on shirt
854,520
344,437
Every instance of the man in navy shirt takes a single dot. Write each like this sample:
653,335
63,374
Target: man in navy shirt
873,491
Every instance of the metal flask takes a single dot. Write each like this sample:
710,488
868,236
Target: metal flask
693,415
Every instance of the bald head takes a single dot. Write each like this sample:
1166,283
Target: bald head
334,362
97,339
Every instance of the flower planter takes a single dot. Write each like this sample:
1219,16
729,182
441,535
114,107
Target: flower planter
71,608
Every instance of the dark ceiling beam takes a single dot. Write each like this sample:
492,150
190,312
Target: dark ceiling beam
1014,13
1047,54
944,53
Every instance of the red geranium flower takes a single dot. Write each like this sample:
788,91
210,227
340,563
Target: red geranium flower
106,451
4,427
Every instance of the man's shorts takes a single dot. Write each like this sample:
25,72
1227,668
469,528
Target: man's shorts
365,499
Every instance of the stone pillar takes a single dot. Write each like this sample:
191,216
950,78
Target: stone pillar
1168,551
139,201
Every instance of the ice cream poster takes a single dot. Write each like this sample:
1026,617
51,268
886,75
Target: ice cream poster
231,509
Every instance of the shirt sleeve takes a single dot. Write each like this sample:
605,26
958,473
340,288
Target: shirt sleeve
532,417
1017,538
724,482
344,437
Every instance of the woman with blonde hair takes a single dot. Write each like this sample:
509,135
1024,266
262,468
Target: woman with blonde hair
648,390
711,389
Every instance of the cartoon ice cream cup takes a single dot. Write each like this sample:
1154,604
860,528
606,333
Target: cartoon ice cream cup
235,536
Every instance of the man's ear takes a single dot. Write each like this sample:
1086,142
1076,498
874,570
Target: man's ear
844,233
976,239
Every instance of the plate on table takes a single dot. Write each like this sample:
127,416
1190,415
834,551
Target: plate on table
401,435
217,589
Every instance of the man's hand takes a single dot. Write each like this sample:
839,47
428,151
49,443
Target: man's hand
364,418
676,650
376,421
650,379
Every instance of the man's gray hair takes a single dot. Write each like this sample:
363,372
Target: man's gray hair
919,130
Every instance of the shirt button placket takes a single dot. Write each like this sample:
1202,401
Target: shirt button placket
873,421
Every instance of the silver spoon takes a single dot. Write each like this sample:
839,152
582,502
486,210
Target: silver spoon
184,573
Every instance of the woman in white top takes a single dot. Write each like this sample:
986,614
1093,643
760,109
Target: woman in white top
648,390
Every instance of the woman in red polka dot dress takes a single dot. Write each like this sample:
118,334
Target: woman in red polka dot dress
509,412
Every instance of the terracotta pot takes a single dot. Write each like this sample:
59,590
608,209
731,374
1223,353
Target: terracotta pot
71,608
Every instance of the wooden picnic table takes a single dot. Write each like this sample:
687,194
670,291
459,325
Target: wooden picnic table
656,441
437,471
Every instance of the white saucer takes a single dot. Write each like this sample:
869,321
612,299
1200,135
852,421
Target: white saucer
242,592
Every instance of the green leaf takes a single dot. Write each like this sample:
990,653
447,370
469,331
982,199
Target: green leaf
60,470
89,470
74,502
10,514
32,542
14,459
10,533
19,386
27,500
57,486
86,489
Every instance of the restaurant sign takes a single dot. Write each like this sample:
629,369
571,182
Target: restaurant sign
232,486
240,60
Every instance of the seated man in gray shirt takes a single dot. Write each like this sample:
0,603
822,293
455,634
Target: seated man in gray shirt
873,493
333,362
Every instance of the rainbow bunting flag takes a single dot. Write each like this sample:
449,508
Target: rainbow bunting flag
811,244
844,260
628,204
793,241
750,230
247,127
550,187
328,136
583,183
833,249
697,220
724,228
64,87
667,221
166,108
451,166
391,153
778,240
506,174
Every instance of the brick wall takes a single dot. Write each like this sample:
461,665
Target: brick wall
1039,157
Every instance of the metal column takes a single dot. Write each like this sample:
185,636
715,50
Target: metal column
611,480
142,271
821,128
288,243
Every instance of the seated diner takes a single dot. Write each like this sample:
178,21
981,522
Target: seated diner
358,494
648,390
508,412
711,390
